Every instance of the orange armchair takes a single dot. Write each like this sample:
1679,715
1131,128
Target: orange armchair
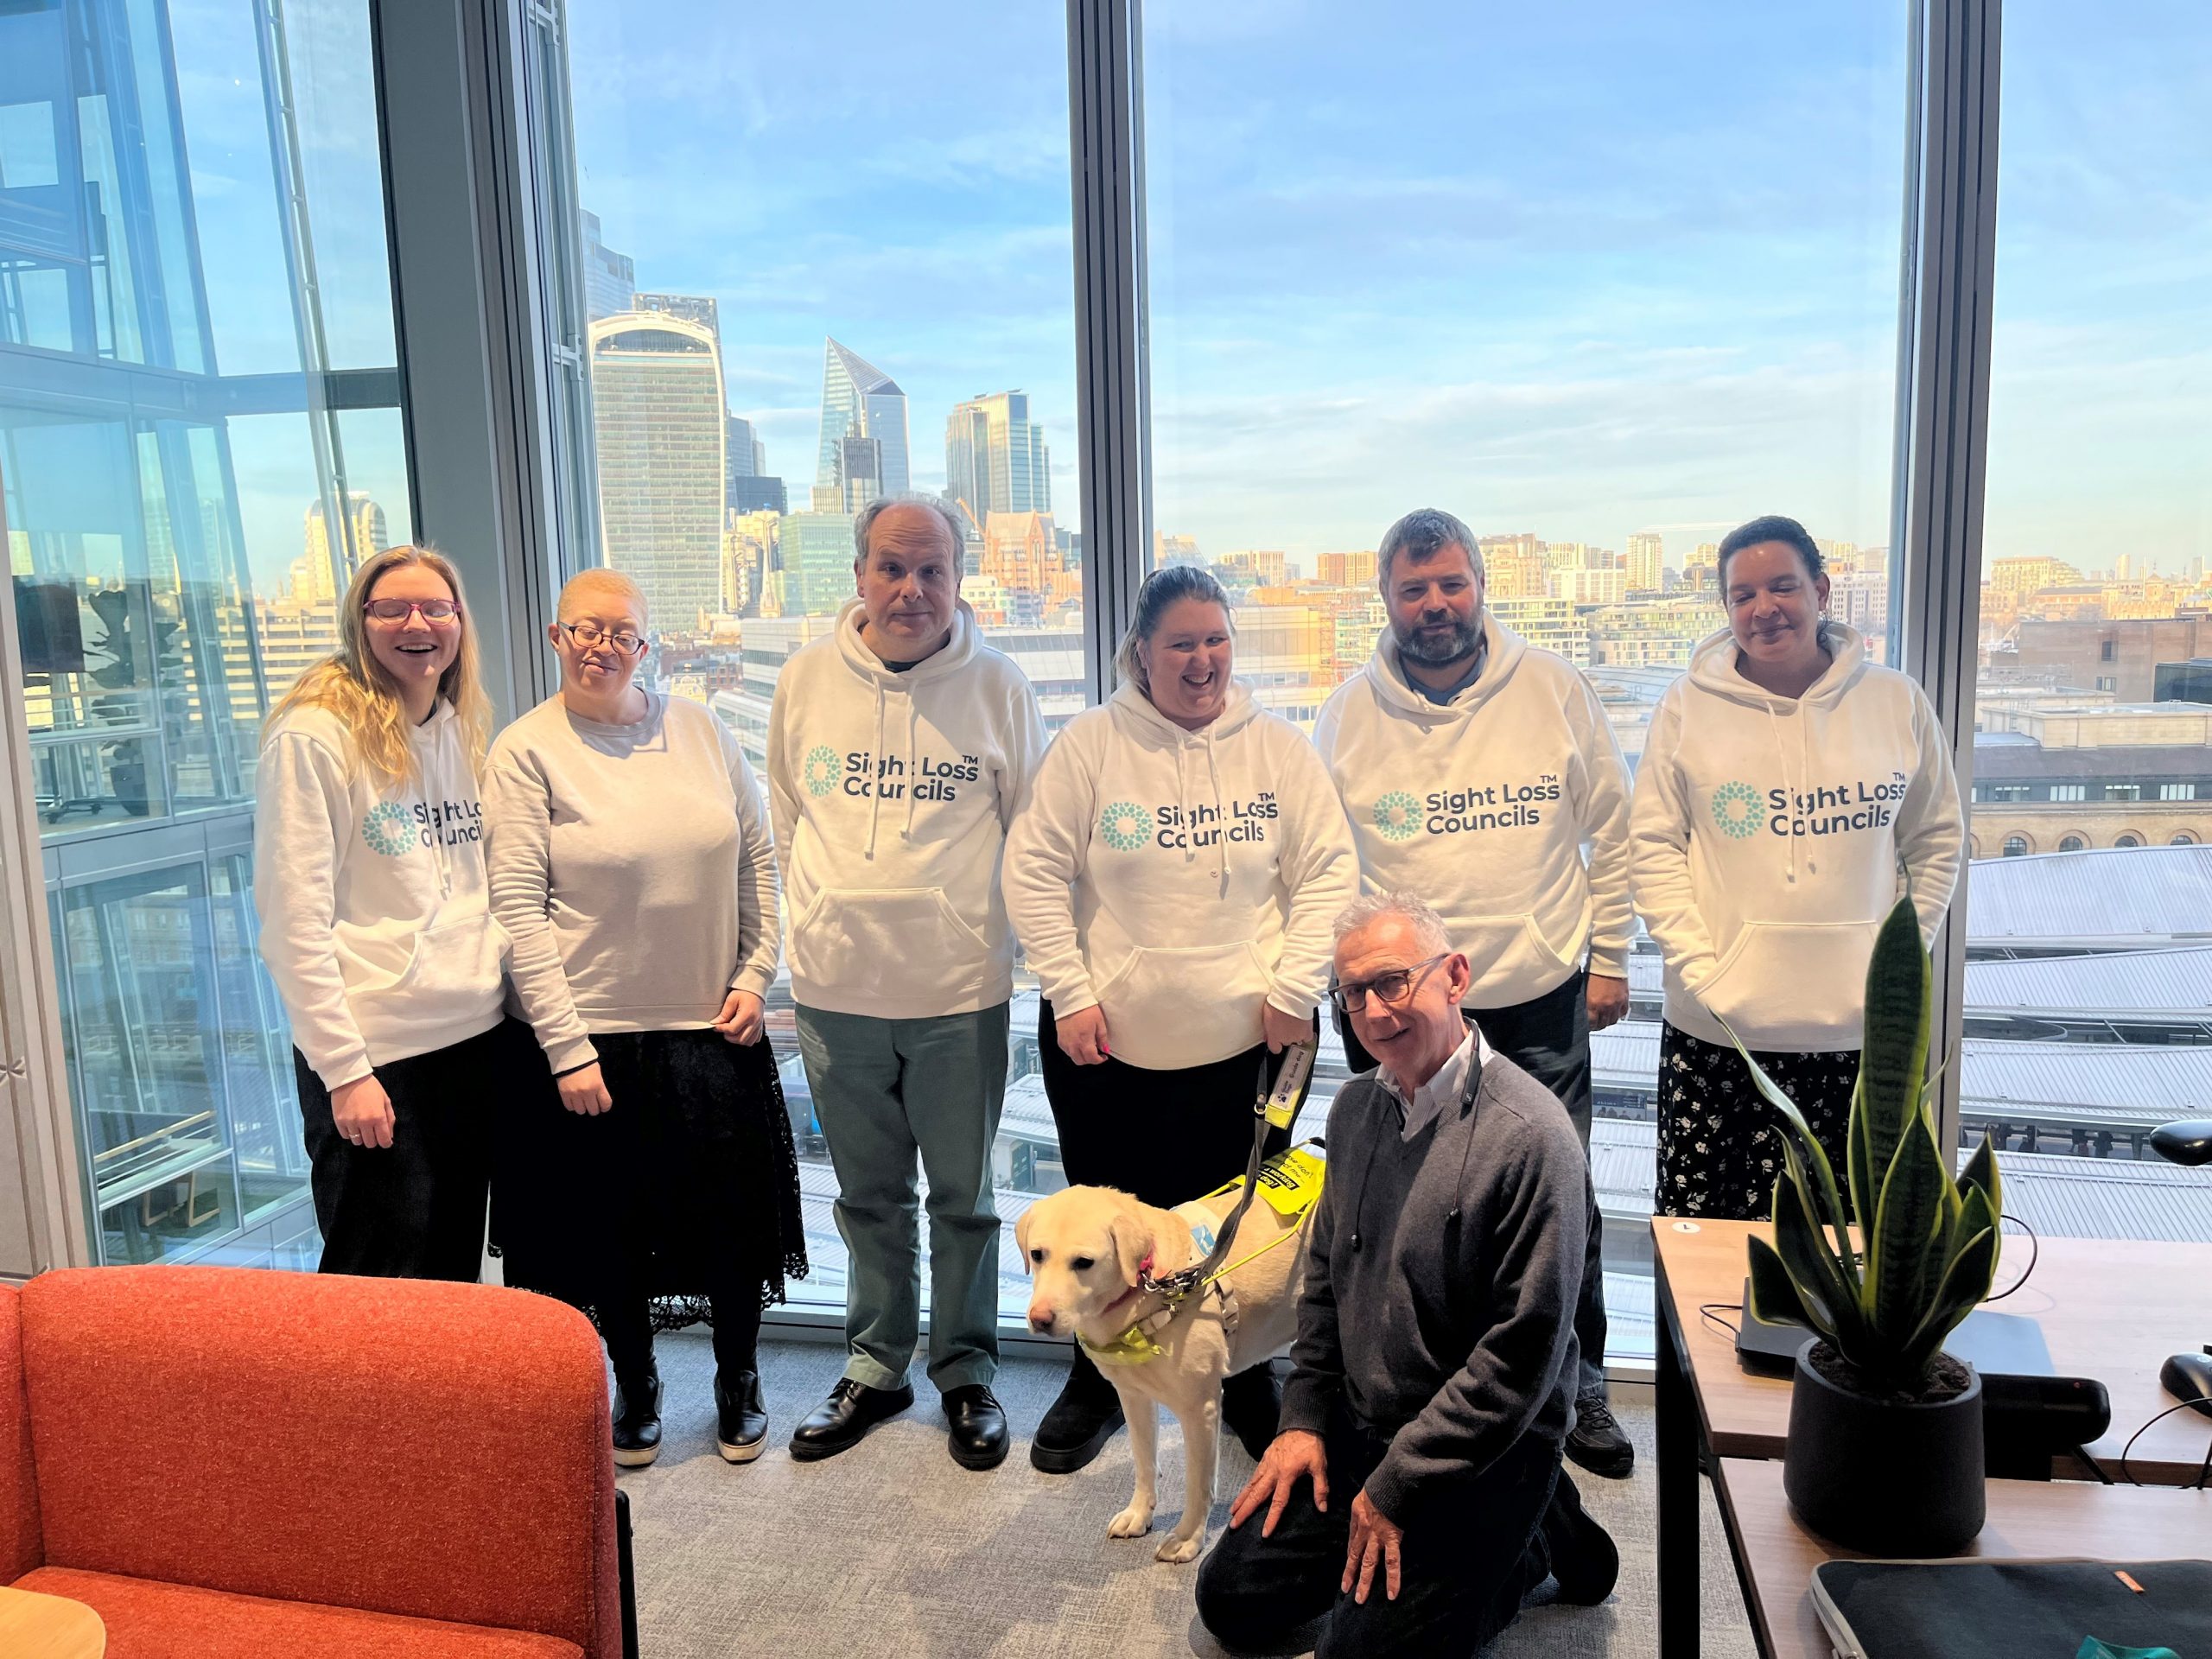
255,1464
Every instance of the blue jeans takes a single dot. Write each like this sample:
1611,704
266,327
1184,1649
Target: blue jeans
885,1092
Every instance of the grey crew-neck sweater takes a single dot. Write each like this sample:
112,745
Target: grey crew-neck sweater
631,867
1441,1281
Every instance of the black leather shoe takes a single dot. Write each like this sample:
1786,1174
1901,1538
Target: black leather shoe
740,1420
1584,1557
637,1424
1598,1443
979,1439
1251,1404
851,1410
1078,1424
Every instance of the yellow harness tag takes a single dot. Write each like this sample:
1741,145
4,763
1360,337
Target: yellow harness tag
1132,1347
1292,1182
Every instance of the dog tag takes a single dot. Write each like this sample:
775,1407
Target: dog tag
1291,1182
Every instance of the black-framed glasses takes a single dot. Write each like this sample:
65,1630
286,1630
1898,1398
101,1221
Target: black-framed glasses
1392,987
438,612
590,635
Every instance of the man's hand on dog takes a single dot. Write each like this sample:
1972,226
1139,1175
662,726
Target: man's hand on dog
1293,1453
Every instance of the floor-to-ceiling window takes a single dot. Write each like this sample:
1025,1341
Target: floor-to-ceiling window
788,277
1603,281
200,436
2088,981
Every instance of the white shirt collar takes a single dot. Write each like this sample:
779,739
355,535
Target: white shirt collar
1439,1091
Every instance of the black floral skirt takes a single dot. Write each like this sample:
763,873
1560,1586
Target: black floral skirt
686,1188
1719,1142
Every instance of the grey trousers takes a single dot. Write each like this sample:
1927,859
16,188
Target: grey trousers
887,1091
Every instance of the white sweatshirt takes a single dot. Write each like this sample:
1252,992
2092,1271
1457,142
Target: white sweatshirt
1770,837
1482,805
1180,880
891,794
630,866
371,900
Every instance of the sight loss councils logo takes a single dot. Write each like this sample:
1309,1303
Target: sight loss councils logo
822,770
1736,809
1397,814
389,829
1125,826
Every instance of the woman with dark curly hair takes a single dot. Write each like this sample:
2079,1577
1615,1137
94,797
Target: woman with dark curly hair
631,865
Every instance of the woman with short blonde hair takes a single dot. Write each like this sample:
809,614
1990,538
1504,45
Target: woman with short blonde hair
369,882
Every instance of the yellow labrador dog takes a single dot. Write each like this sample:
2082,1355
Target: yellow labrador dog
1085,1247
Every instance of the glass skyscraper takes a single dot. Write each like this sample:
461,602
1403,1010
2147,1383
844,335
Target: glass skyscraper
996,459
659,429
861,401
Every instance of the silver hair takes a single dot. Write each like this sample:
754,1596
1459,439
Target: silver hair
1424,532
865,520
1429,932
1159,590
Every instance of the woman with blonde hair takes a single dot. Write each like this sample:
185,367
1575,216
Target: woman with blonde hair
369,882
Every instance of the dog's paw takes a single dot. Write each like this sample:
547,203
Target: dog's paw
1132,1522
1176,1547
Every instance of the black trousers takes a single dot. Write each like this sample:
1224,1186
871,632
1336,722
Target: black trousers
414,1210
1548,1037
1719,1152
1467,1561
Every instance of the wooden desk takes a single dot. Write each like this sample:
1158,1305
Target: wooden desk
2113,1310
35,1626
1775,1556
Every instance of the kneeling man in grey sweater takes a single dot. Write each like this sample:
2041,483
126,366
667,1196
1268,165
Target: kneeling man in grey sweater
1414,1494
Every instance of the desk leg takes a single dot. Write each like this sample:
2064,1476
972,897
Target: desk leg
1681,1610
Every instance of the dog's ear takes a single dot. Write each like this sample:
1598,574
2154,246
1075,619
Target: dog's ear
1132,1236
1021,1240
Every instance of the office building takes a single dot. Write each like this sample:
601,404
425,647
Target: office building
699,309
326,563
1345,569
746,456
659,429
1647,561
817,554
995,458
861,401
610,278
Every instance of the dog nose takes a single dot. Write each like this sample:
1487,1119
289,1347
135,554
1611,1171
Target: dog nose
1041,1318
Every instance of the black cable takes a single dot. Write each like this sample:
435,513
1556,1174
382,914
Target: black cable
2185,1405
2034,1255
1706,1311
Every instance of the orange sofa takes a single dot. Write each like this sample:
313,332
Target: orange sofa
220,1461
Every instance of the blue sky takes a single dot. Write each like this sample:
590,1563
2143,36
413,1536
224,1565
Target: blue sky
1580,271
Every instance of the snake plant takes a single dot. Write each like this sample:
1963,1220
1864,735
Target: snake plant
1931,1240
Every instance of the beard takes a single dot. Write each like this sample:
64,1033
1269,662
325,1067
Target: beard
1436,651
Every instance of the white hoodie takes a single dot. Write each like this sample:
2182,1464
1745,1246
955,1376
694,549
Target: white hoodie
1770,837
1481,806
1179,879
374,919
891,794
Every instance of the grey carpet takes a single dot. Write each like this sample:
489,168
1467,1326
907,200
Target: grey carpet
893,1549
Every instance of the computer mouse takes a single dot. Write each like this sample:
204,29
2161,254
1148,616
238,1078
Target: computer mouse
2188,1378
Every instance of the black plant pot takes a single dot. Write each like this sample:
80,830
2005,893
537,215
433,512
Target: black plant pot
1881,1477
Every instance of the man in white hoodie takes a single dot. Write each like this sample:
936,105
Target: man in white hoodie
1475,768
898,749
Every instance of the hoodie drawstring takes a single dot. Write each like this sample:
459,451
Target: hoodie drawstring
1220,820
1797,802
913,781
874,786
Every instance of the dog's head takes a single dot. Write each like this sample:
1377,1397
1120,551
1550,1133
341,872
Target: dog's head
1084,1247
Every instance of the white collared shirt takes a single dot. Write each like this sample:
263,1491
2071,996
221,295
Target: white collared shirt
1429,1100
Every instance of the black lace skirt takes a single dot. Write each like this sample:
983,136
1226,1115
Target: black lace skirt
687,1188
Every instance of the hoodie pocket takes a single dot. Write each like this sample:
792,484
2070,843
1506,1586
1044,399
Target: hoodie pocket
1173,1006
1504,949
1793,986
871,940
453,969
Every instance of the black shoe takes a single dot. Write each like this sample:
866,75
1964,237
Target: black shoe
1079,1423
851,1410
740,1420
979,1438
1598,1443
1251,1404
1584,1558
637,1423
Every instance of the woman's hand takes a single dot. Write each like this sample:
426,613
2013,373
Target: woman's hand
584,1092
1082,1035
363,1111
1283,1029
741,1019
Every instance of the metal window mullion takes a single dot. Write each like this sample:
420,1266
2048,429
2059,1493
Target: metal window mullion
1106,147
1943,410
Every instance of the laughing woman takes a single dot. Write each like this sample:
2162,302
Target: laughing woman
368,880
631,865
1174,879
1790,791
